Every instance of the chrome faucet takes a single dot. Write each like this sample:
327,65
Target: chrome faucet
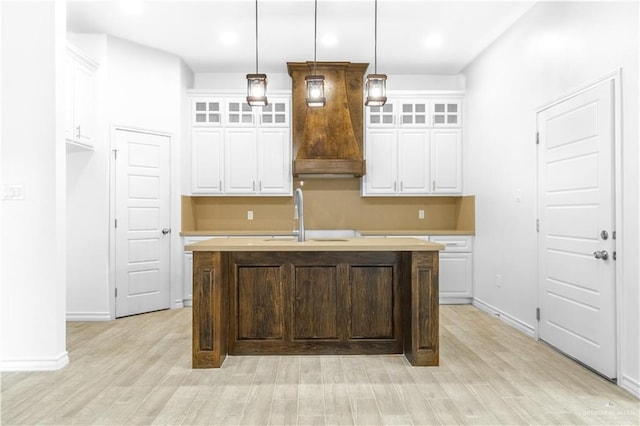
298,213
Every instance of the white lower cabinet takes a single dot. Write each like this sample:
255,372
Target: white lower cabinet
456,268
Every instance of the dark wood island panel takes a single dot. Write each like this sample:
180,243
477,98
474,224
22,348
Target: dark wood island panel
315,302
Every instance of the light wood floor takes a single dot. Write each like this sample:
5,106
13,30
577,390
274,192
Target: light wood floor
136,370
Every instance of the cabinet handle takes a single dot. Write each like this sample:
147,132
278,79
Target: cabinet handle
220,185
254,186
401,186
395,186
79,132
260,186
433,186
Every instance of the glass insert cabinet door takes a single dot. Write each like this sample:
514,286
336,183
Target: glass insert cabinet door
275,113
381,116
446,113
414,113
206,113
239,112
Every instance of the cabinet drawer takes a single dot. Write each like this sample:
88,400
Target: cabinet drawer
453,243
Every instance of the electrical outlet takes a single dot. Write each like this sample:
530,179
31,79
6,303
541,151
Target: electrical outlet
420,214
250,214
498,281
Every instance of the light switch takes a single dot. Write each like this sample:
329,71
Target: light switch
420,214
249,214
12,192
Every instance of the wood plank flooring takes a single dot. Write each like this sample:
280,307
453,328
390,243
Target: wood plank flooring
137,371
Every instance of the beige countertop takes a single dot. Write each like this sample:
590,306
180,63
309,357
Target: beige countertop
292,244
364,232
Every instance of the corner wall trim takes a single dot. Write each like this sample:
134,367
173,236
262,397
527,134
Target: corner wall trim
36,364
514,322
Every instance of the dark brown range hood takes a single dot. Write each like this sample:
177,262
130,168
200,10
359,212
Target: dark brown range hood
328,141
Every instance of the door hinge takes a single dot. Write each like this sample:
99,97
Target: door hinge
537,138
614,235
537,225
115,223
538,314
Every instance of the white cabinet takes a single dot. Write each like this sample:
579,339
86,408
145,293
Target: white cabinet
80,102
207,148
206,112
398,162
446,113
407,154
456,269
446,149
240,150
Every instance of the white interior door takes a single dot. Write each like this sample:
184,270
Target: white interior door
575,199
142,240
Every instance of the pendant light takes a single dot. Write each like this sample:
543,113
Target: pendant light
315,83
257,83
376,84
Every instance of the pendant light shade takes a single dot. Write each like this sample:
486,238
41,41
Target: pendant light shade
315,83
315,90
257,83
257,89
376,84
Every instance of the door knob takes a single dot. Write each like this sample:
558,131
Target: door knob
165,231
601,255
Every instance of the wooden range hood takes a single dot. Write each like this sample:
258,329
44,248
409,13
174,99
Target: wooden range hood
329,140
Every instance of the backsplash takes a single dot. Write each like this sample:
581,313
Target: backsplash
329,204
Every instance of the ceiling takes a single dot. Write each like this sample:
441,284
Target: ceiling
218,36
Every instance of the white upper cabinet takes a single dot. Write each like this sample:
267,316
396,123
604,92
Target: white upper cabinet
408,153
80,92
207,160
239,113
446,148
446,113
206,112
240,150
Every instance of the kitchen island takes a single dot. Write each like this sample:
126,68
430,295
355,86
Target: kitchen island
278,296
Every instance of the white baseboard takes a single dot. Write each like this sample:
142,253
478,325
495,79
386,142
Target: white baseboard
35,364
178,304
514,322
455,300
630,385
188,303
89,316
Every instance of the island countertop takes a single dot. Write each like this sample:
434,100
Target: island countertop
319,244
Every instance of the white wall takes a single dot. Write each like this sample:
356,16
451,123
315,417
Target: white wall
553,50
88,203
33,334
140,88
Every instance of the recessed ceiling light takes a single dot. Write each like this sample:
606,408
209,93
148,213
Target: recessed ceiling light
131,7
228,38
432,41
329,40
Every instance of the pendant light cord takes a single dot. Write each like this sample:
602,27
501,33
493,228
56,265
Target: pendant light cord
375,39
315,36
256,36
